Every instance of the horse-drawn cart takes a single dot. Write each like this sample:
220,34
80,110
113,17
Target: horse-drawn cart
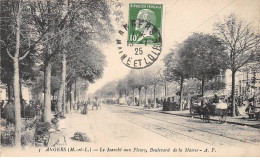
215,109
219,108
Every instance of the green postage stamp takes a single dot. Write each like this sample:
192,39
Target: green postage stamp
145,24
140,41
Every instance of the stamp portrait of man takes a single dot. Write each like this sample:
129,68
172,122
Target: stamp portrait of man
146,20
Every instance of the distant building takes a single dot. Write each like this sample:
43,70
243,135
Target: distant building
3,93
247,80
26,93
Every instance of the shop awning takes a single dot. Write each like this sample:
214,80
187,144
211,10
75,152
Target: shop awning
211,93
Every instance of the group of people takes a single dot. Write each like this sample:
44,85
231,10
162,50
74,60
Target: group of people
8,111
239,102
28,111
82,106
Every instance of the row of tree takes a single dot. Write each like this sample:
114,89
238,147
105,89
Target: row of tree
201,57
51,42
136,81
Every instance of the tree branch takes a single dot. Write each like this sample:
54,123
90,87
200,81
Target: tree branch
31,47
12,57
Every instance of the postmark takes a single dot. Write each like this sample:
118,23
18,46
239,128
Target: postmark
140,41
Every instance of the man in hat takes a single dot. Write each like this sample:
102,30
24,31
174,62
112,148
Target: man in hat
2,109
9,112
31,109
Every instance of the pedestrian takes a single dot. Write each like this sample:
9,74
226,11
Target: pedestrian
23,105
250,107
37,108
78,106
9,112
26,111
58,131
85,109
215,99
32,110
2,108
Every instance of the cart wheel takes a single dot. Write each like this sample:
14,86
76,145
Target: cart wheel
207,118
222,119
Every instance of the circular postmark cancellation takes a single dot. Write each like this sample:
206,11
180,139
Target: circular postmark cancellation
140,42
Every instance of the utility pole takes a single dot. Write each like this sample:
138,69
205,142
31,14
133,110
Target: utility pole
254,87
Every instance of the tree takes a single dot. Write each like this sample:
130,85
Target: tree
122,88
85,61
17,13
108,90
48,19
241,42
146,80
136,82
82,31
130,80
176,70
154,78
67,20
204,57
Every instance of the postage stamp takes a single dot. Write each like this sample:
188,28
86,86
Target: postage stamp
140,41
145,24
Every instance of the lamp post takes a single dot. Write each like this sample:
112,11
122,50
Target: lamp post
254,69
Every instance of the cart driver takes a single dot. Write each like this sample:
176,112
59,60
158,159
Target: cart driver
215,99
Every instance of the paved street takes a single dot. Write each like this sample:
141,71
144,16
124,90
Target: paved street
188,130
126,126
146,132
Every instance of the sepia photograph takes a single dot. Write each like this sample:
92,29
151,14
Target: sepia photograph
130,78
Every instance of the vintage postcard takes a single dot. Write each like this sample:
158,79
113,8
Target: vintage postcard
130,78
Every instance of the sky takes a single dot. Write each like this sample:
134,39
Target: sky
180,19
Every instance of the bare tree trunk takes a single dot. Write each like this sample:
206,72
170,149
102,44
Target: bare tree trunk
59,101
145,98
62,86
75,93
188,102
9,90
65,99
139,89
165,89
47,92
154,96
47,82
181,88
202,92
134,96
17,104
70,97
125,97
233,103
64,106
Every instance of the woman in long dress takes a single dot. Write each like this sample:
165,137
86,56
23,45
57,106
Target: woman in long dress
85,109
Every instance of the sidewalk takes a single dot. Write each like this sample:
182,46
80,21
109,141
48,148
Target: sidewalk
106,129
243,119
